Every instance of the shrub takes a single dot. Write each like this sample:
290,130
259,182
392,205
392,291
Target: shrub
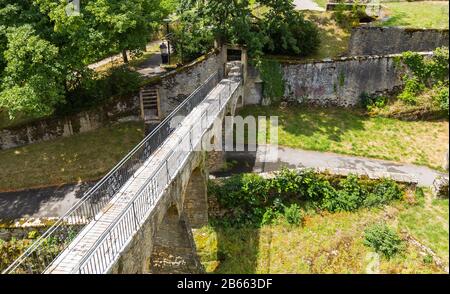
426,73
413,87
383,193
371,101
440,97
383,240
251,199
293,214
348,198
348,16
269,217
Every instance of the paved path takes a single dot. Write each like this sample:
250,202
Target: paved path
148,68
41,203
294,158
307,5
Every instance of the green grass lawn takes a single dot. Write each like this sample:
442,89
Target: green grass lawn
81,157
321,3
426,14
428,222
327,243
351,132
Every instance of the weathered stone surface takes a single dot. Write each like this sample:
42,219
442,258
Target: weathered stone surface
340,82
176,86
440,187
51,128
370,40
174,248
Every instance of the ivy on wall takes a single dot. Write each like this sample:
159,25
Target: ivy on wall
273,82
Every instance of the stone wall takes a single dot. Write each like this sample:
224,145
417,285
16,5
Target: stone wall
46,129
366,40
177,85
173,87
341,81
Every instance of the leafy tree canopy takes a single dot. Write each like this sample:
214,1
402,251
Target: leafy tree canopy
44,52
281,30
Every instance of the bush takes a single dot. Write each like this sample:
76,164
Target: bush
270,216
413,87
383,240
251,199
426,73
372,101
293,214
383,193
349,16
440,97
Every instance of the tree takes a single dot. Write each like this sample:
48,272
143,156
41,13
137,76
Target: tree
44,52
33,75
281,30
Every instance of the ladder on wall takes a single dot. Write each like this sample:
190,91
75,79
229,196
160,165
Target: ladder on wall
150,108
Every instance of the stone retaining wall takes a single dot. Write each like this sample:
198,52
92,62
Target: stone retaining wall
126,109
367,40
341,81
177,85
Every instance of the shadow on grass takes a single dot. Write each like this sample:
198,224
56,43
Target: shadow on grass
237,250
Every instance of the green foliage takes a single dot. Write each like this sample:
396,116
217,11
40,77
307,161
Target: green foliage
383,193
372,101
286,30
191,38
44,53
426,73
253,200
348,16
413,87
440,98
116,82
281,30
383,240
32,78
293,214
272,77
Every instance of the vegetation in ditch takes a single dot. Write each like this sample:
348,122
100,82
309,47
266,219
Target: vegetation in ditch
250,199
327,242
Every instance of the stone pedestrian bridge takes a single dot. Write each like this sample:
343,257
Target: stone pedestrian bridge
138,218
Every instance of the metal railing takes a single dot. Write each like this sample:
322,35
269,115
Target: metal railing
101,256
49,245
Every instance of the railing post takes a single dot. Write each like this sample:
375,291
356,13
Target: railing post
135,216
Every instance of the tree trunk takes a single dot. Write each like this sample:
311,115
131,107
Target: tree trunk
125,56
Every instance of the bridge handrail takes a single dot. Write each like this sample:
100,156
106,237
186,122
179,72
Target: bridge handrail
102,253
67,227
